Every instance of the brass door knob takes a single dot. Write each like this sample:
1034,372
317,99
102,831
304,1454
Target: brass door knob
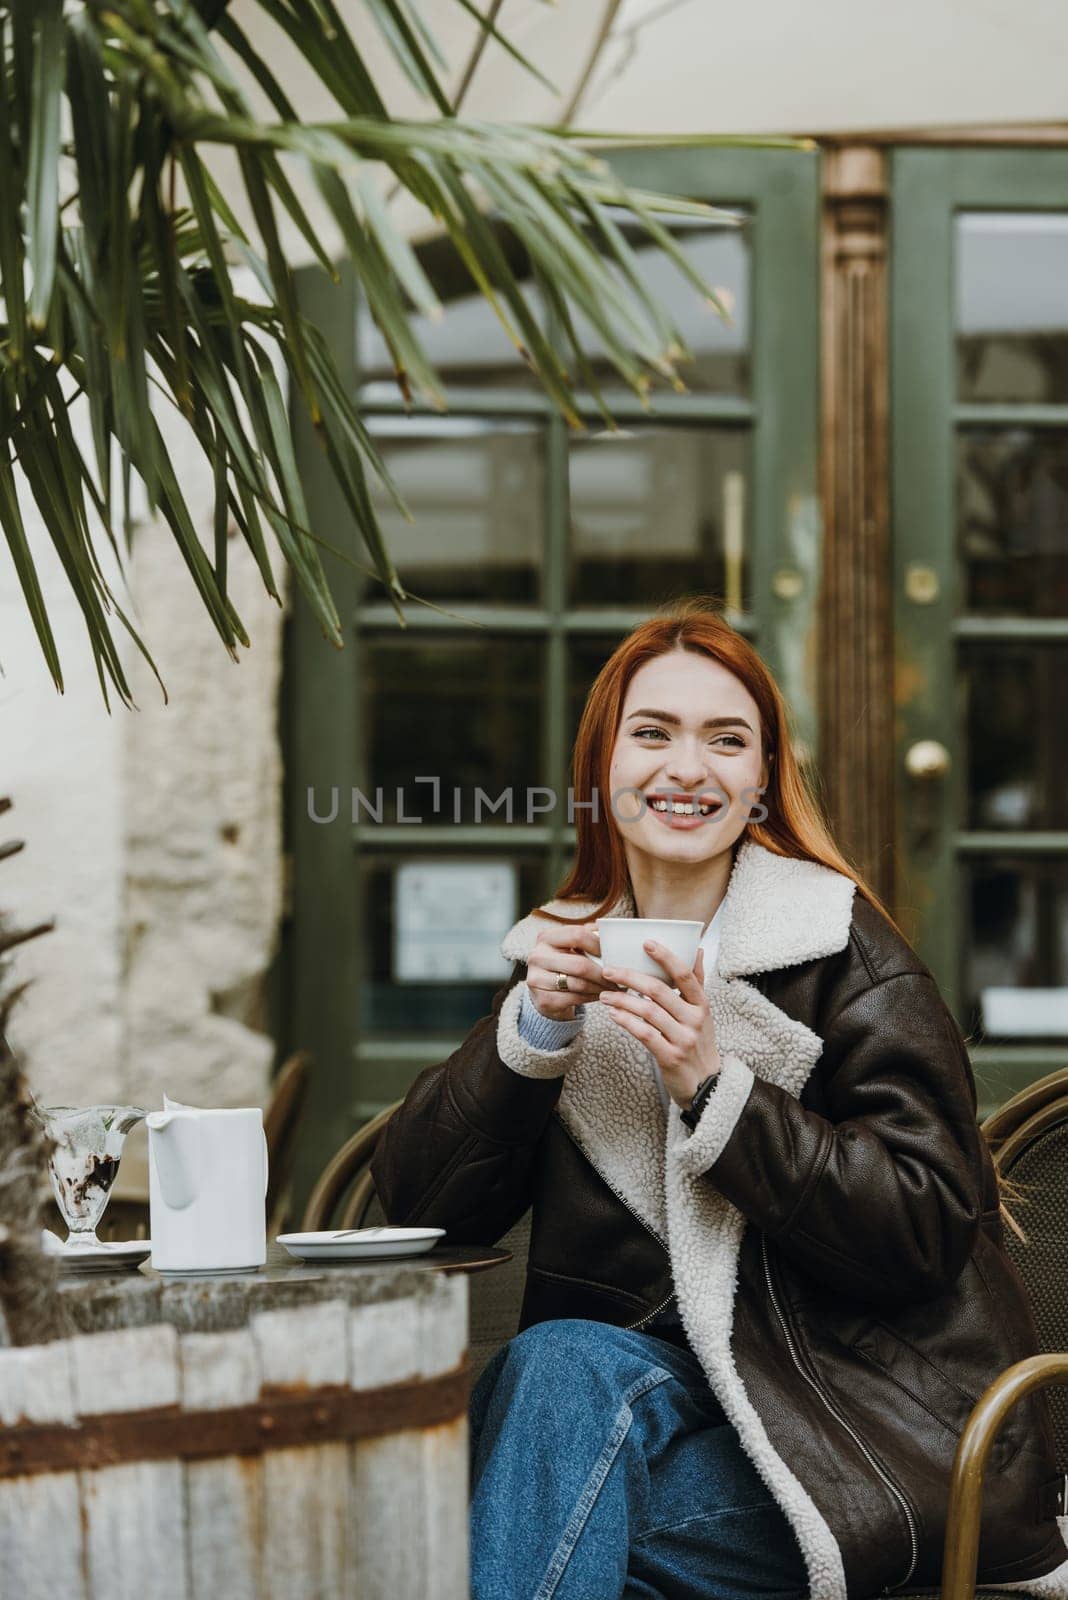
927,759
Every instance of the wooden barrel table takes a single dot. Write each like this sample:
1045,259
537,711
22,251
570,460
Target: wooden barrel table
273,1436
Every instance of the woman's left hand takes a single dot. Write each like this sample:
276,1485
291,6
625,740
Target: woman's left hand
676,1027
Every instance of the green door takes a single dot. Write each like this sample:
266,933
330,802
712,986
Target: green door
979,381
537,548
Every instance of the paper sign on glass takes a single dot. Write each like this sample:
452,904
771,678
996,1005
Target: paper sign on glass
449,918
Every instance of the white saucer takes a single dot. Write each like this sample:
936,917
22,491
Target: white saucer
110,1255
362,1245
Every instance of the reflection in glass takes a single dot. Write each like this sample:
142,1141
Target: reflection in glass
1012,306
658,511
477,493
1016,938
1012,521
1013,700
468,346
721,350
390,1007
466,711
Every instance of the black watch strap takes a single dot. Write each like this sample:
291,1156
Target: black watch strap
691,1114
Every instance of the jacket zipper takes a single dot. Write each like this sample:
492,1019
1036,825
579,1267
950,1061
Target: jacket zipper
835,1412
648,1315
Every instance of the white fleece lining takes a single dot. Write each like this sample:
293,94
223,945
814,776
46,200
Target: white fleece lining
706,1235
777,913
517,1053
718,1119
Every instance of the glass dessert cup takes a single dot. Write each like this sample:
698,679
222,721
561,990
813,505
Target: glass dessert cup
85,1149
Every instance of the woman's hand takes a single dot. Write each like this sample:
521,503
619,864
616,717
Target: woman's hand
564,949
676,1028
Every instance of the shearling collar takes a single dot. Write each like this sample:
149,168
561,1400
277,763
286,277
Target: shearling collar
778,912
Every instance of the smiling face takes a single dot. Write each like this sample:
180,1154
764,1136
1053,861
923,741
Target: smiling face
666,752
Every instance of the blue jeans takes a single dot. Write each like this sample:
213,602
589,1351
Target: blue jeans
602,1466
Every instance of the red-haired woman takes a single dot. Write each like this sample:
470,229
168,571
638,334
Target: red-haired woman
767,1280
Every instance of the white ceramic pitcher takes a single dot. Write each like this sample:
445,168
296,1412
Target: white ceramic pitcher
207,1183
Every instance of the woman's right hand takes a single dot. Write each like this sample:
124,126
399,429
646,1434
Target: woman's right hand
565,949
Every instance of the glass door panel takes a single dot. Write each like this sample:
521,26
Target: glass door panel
656,511
1011,327
476,489
1012,520
1016,961
465,711
1014,706
980,396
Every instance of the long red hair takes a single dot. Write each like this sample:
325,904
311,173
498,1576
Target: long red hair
795,825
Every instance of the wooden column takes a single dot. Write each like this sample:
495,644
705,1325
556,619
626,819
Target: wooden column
856,691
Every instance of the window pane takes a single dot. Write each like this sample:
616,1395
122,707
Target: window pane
1013,699
721,349
466,711
468,346
394,1005
477,493
1016,949
1012,306
657,511
1012,521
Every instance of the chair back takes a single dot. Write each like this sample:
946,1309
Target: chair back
1029,1143
280,1121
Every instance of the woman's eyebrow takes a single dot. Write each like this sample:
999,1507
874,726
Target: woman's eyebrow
712,722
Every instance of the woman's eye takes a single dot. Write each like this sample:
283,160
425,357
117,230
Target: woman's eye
732,737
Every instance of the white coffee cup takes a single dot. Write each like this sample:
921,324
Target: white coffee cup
622,939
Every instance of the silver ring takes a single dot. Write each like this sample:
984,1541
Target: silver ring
561,980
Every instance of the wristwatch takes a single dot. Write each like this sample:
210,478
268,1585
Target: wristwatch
691,1114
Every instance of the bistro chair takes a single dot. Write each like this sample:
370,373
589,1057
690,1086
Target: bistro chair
280,1122
1028,1138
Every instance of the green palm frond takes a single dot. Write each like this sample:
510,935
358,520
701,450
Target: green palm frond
116,255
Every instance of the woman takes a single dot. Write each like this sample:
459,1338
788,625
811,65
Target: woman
766,1279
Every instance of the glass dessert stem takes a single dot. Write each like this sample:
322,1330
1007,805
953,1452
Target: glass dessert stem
83,1236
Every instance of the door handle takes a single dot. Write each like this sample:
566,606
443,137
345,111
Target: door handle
927,762
927,759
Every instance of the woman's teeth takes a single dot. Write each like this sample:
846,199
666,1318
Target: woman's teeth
680,809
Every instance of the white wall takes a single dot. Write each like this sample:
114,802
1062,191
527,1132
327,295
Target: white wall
775,66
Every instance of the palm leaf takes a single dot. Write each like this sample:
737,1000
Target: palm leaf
122,289
43,175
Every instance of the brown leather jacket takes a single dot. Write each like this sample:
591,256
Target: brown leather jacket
874,1300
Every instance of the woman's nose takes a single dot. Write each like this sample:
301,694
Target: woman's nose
688,770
